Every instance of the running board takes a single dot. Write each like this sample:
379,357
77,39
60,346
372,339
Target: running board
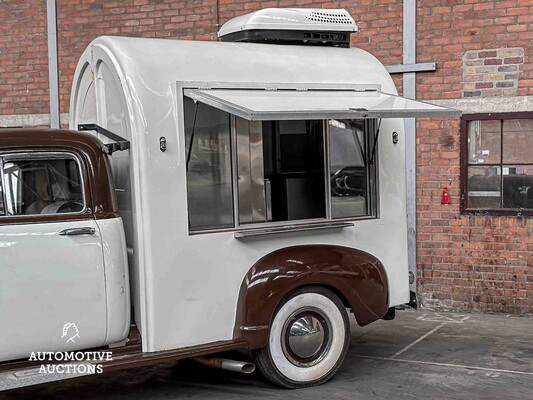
35,374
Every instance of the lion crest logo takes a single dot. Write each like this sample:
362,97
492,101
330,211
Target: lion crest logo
71,331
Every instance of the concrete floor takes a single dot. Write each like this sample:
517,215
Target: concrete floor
419,355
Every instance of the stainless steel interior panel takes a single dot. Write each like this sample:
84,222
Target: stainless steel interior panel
250,171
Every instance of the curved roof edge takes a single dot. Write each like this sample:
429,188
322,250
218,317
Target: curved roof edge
146,61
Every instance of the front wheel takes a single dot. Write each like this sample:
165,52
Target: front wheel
308,339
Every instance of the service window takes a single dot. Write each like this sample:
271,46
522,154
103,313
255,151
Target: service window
41,184
498,164
243,173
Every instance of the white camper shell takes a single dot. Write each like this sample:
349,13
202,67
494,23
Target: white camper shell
186,283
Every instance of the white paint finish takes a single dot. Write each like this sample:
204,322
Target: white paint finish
431,332
100,63
116,279
46,281
309,19
469,367
87,106
258,105
186,287
436,317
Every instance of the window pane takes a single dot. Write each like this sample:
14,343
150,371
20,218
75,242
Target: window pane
518,186
349,173
42,186
484,187
209,188
518,141
484,142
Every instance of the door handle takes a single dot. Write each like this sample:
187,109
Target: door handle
268,200
78,231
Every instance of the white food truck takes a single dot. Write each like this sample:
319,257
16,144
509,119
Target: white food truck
240,194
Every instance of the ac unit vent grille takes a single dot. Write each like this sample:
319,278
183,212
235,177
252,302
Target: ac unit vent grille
328,17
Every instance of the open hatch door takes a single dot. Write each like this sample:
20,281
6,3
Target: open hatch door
260,104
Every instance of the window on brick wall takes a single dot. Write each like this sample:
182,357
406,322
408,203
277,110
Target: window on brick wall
497,163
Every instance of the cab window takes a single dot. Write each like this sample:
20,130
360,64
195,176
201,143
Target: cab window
40,185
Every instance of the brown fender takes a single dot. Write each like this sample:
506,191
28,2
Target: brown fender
356,276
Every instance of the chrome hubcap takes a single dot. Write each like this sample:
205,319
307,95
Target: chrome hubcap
306,337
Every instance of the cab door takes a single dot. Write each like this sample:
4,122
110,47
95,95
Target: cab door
52,291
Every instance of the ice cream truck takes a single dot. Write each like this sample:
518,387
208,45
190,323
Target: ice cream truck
246,193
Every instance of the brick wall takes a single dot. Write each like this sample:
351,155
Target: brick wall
494,72
464,261
23,57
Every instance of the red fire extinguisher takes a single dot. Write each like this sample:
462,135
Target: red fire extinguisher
445,199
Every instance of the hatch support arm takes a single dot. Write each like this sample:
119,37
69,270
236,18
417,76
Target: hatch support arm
119,143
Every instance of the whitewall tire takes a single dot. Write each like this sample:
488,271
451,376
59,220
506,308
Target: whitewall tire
308,339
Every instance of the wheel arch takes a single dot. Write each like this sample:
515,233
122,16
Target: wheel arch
356,277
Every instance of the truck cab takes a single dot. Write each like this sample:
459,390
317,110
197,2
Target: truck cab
65,282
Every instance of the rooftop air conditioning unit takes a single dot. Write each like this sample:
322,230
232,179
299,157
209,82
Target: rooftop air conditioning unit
302,26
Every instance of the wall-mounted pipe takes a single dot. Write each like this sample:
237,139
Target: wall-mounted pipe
409,91
53,73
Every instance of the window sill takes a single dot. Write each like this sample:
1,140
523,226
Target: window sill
291,228
499,212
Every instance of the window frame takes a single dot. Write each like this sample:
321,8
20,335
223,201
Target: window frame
85,213
371,170
372,184
464,164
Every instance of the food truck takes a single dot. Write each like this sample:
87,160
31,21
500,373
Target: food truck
209,196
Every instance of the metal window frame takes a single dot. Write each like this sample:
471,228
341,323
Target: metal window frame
40,155
249,229
2,192
371,171
464,164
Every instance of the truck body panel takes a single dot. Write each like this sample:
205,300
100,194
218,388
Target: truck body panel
34,314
